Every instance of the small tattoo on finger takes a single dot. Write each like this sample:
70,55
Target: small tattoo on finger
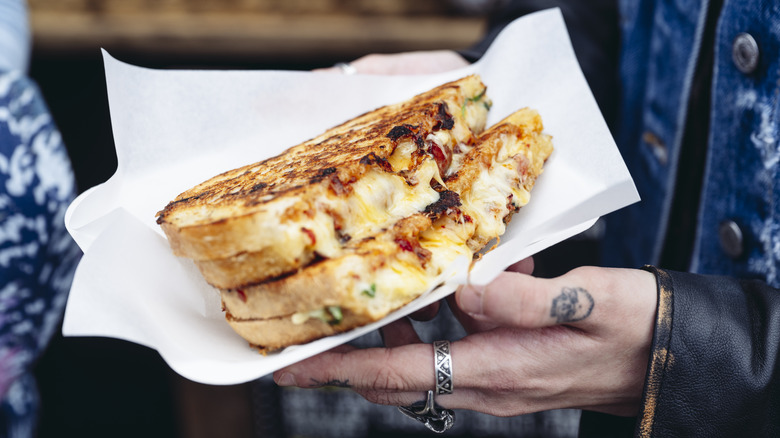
573,304
335,383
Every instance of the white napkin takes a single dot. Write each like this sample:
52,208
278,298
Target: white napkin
176,128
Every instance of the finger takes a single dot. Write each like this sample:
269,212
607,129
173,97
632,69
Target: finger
463,399
400,332
522,301
403,375
427,313
470,324
525,266
408,368
588,297
327,70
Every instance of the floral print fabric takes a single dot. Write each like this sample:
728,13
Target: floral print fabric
37,256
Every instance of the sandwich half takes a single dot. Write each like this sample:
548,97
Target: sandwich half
268,219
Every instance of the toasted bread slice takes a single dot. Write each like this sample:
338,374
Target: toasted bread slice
296,199
376,202
281,332
381,273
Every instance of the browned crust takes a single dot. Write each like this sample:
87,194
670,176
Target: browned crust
251,267
338,154
269,335
296,293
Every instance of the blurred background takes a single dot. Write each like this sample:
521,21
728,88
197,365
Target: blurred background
95,387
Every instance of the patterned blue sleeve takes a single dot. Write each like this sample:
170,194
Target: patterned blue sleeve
37,256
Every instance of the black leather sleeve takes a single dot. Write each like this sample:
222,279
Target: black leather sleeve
714,369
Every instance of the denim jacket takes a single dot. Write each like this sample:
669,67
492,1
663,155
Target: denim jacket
738,227
714,368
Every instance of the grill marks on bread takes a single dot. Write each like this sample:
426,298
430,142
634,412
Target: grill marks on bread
342,154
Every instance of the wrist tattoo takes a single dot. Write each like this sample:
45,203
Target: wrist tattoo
335,383
573,304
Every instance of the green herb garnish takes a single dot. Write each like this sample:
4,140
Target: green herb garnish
336,315
371,291
478,96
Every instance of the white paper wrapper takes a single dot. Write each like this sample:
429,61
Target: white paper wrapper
174,129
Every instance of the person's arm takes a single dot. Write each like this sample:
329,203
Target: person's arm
37,256
715,366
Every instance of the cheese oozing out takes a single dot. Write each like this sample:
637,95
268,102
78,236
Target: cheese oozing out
498,190
375,202
379,199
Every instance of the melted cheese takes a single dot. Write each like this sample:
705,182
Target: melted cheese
488,197
302,317
446,239
379,199
457,159
399,282
402,278
496,191
401,159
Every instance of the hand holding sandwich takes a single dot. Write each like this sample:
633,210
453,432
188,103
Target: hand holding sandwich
580,340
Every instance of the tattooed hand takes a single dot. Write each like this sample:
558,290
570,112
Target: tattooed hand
581,340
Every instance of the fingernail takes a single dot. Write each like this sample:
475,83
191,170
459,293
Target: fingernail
285,379
471,299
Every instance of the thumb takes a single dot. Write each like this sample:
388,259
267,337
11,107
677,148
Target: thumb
519,300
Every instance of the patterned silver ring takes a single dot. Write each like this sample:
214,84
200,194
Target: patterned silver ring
443,364
433,416
346,68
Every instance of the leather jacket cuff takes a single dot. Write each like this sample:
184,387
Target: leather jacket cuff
713,368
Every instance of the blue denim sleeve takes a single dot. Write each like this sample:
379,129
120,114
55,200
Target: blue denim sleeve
15,38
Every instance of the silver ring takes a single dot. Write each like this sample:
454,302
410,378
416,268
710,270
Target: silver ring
427,412
433,416
346,68
443,364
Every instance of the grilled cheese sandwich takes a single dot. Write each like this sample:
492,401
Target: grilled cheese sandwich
341,230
